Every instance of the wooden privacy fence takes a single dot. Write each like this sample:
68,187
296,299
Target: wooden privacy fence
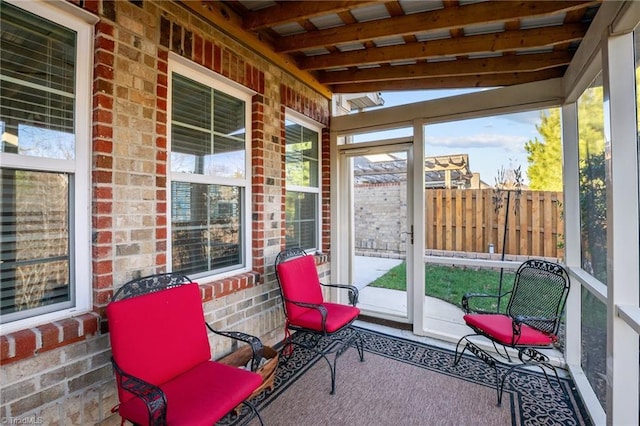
466,220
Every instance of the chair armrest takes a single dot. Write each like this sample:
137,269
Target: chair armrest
469,296
317,307
253,341
152,396
531,321
353,291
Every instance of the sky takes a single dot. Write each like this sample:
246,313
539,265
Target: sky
491,142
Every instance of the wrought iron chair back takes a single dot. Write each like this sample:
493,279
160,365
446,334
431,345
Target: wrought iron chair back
539,292
283,256
150,284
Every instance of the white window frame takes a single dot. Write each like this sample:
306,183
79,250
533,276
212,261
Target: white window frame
189,69
312,125
82,22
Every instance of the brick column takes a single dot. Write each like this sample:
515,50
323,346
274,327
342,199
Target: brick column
102,165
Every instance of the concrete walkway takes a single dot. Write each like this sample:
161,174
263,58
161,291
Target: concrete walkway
367,269
441,317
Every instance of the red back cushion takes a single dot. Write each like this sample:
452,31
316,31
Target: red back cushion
158,335
299,282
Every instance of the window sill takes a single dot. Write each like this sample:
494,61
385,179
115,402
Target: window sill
32,341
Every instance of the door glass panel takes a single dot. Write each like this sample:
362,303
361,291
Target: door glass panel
379,194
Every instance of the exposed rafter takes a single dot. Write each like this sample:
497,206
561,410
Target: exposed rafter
362,46
426,23
469,45
462,67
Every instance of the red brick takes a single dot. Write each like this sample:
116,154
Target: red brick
103,161
208,291
92,6
4,348
89,324
100,145
101,252
161,207
103,27
161,259
197,51
102,116
102,281
101,222
104,71
105,43
161,129
161,91
103,193
70,329
102,297
50,336
161,195
25,344
102,176
104,57
161,233
102,131
102,267
217,59
162,80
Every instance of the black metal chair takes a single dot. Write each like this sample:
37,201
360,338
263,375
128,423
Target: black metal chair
162,358
531,321
327,325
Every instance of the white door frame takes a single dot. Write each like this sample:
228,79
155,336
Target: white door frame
342,229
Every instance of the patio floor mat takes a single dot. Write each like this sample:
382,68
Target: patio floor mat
402,382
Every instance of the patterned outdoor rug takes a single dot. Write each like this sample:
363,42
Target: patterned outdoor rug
402,382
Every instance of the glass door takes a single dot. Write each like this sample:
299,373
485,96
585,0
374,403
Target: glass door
381,235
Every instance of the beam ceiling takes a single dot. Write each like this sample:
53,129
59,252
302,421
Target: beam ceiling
363,46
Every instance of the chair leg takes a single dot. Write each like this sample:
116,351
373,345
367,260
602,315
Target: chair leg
255,411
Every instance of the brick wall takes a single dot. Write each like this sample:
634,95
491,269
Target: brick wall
59,372
381,218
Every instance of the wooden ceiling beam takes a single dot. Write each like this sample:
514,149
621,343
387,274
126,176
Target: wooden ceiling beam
425,22
477,44
221,16
288,11
459,67
460,82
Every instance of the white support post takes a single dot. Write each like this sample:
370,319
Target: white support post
571,205
418,215
623,242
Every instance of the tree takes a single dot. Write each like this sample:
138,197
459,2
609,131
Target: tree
545,172
545,156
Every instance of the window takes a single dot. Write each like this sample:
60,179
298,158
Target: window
209,180
44,177
303,183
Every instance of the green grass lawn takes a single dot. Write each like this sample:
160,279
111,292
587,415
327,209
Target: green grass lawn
450,283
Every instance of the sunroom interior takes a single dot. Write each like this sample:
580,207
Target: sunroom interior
575,58
602,314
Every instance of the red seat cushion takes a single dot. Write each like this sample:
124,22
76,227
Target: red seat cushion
299,282
500,328
200,396
159,335
337,317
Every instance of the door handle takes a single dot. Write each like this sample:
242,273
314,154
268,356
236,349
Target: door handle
410,233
